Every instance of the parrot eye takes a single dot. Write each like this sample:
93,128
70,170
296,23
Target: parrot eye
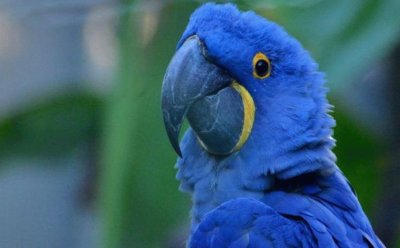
261,66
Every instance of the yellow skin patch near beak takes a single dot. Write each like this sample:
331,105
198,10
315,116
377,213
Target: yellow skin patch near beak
249,110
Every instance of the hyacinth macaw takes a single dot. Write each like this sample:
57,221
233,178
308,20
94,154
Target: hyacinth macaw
257,157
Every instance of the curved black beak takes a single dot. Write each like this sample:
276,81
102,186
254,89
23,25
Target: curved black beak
189,77
198,89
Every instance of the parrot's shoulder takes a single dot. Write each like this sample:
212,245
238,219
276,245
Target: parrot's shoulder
246,222
312,210
329,206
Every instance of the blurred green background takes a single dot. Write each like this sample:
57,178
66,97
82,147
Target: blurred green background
84,160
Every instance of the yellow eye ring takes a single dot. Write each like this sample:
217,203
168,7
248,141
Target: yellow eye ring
261,66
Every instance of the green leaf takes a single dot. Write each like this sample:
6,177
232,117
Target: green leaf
51,128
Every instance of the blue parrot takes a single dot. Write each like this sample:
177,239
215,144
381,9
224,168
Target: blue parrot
257,158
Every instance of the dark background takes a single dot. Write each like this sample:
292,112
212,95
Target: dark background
84,159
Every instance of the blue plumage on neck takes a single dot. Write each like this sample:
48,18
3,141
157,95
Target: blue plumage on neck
252,171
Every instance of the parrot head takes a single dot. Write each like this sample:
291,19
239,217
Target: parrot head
245,86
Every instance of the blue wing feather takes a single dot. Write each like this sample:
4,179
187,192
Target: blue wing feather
246,222
319,218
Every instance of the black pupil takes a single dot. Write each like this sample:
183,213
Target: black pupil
262,68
